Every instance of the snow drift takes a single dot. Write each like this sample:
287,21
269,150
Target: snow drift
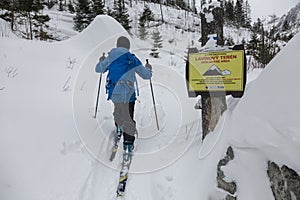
263,126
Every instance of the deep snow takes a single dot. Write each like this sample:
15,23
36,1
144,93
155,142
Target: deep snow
51,147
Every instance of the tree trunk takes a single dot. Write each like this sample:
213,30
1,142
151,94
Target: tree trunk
213,106
212,109
30,26
161,11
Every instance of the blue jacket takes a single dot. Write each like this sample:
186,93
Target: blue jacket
122,67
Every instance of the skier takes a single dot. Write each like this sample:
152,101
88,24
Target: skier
120,86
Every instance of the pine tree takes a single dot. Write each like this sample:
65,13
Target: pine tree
252,45
273,20
247,11
35,21
40,25
97,8
28,15
83,15
239,14
120,13
229,11
157,43
285,25
5,5
142,29
8,13
147,15
257,26
71,7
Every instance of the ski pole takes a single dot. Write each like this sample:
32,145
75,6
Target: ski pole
154,105
98,94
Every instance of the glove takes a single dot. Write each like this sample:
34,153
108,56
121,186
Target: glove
148,65
102,57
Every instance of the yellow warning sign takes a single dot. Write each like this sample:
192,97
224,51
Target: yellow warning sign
216,71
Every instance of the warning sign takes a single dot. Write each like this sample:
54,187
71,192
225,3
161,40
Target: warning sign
216,71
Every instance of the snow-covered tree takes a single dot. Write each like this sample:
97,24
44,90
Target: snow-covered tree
157,43
97,8
229,12
70,6
83,15
247,12
147,15
120,13
30,18
8,12
142,28
239,14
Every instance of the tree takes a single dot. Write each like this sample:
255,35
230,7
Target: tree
285,25
161,11
97,8
142,30
263,43
29,15
5,4
239,14
257,26
229,12
215,26
120,13
157,43
273,20
40,24
83,15
71,7
252,45
147,15
247,11
142,27
8,13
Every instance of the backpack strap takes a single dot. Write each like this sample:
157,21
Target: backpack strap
130,65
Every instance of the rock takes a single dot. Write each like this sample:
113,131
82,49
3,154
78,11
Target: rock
229,187
285,182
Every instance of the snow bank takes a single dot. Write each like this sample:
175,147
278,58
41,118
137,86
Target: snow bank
270,109
102,28
265,125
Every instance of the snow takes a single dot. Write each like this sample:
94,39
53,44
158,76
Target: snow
209,7
51,147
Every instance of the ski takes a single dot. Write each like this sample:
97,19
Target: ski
117,138
127,157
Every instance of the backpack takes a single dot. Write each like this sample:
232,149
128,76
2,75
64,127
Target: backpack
121,78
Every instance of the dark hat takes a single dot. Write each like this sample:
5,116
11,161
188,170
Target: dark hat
123,42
